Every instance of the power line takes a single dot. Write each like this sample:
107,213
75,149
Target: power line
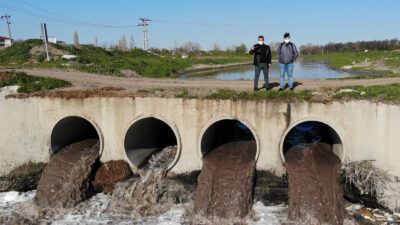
57,18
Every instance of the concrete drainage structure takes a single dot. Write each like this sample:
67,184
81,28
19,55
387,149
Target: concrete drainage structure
33,128
147,136
70,130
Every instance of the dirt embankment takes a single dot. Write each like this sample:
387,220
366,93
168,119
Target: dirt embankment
81,80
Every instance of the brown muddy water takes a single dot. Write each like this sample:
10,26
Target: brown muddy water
226,181
66,179
315,191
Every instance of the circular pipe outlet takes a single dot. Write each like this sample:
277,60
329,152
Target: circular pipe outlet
304,133
72,129
148,136
225,131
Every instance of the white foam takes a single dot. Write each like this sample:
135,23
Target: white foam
268,215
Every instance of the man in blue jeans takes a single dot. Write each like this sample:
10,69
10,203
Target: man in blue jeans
287,55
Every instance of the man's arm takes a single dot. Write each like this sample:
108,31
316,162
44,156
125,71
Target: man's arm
269,59
296,53
278,51
252,50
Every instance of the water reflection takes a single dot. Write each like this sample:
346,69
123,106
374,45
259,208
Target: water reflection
304,69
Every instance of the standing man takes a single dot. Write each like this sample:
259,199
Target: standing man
287,54
262,61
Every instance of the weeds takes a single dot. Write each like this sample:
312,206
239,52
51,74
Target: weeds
231,94
30,84
385,92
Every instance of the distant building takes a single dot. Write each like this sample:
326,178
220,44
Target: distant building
5,42
51,39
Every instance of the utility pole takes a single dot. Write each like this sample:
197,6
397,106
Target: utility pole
7,17
45,39
144,24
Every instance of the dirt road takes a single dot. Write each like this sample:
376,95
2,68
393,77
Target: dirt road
81,80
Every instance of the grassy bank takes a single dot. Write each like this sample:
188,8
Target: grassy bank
371,64
30,84
113,62
386,92
272,94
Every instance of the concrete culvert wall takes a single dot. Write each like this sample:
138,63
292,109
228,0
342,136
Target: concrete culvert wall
313,132
223,132
146,137
70,130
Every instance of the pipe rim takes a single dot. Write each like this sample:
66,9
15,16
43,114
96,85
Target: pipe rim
243,121
85,117
338,131
171,125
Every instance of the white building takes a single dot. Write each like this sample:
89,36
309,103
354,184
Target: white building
5,42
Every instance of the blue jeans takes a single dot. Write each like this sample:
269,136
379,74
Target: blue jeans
265,69
286,68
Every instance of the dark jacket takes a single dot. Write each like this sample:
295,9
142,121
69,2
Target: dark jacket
287,53
262,54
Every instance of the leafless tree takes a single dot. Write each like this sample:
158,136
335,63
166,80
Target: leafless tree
96,41
216,48
76,38
132,43
122,43
274,46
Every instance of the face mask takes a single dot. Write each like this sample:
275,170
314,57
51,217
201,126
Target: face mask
260,42
287,41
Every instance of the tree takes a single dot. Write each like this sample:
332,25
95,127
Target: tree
132,43
241,48
95,41
216,48
76,38
122,43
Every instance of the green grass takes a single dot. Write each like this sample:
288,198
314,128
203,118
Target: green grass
111,62
29,84
385,92
18,54
340,59
282,95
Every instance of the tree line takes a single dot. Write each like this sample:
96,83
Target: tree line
384,45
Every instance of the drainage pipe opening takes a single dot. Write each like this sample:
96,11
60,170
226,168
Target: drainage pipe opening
148,137
307,133
70,130
223,132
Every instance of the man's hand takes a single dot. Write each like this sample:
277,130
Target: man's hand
269,65
252,48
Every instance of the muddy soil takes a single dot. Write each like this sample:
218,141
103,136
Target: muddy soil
315,191
225,184
110,173
66,179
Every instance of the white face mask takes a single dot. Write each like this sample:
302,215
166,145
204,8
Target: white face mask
287,41
260,42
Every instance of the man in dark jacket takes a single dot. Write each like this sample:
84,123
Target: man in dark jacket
287,54
262,61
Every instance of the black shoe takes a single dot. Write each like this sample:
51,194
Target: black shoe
292,89
281,89
256,89
267,88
